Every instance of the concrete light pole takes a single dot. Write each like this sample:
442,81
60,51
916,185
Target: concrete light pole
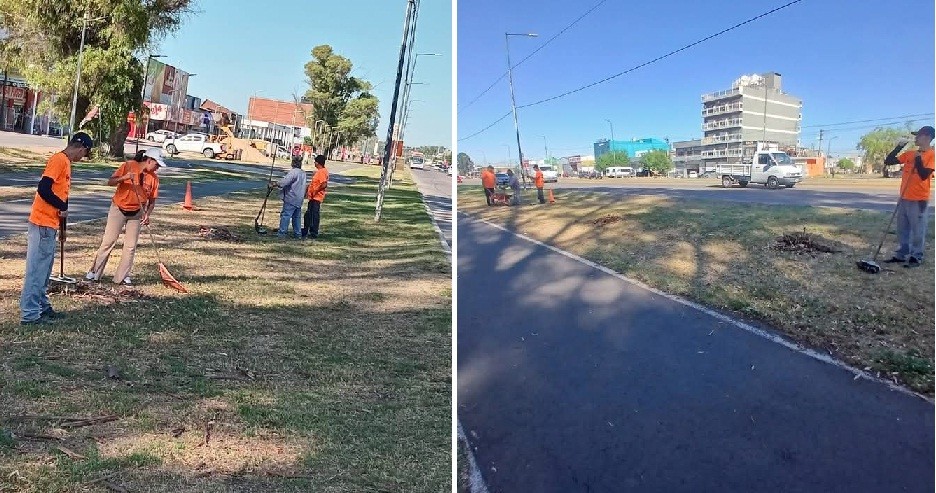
513,101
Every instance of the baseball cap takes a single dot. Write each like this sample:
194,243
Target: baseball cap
927,130
83,139
155,154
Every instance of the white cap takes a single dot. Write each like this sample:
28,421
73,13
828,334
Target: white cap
155,154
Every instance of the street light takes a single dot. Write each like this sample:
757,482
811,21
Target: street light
143,100
545,149
612,132
84,27
829,145
513,101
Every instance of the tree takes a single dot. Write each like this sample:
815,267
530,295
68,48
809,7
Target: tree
609,159
42,42
658,162
341,100
846,164
876,145
465,165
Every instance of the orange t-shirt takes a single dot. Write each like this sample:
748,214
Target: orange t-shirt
538,180
125,197
316,190
914,187
488,180
59,169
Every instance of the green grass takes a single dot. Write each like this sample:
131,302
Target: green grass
322,365
722,254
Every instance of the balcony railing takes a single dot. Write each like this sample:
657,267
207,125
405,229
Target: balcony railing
718,139
733,122
720,94
727,108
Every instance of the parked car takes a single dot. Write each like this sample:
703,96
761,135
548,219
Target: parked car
194,142
503,180
161,135
461,179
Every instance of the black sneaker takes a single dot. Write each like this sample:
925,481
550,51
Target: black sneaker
50,314
913,262
38,321
894,260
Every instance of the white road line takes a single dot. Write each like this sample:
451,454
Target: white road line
475,480
720,316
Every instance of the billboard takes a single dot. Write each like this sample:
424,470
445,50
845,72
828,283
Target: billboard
165,84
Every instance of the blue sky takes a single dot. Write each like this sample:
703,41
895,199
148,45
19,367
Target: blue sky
239,48
846,60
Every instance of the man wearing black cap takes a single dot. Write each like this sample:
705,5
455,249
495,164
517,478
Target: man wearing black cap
914,196
50,206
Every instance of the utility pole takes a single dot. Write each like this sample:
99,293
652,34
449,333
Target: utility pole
820,142
388,146
765,110
513,101
74,108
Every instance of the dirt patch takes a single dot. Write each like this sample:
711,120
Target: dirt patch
802,244
607,219
97,292
221,234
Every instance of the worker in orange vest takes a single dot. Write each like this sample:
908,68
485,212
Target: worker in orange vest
488,181
540,183
316,194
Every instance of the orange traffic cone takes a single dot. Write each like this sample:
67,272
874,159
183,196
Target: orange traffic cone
552,200
187,205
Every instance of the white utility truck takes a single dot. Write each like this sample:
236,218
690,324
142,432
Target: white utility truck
762,163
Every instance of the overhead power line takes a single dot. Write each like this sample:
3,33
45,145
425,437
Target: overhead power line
550,40
866,121
479,132
657,59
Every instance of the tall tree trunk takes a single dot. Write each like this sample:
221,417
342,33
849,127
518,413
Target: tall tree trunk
117,139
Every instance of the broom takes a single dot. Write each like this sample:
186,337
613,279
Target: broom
164,274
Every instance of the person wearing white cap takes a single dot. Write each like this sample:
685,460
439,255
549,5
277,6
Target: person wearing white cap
133,203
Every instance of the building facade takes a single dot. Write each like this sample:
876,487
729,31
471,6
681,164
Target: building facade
687,156
635,149
282,121
754,109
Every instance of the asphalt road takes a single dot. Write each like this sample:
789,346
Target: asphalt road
83,207
697,189
573,380
436,188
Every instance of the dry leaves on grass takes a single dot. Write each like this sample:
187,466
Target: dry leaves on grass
607,219
802,243
97,292
222,234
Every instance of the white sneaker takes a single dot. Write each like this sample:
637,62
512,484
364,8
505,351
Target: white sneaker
126,281
90,277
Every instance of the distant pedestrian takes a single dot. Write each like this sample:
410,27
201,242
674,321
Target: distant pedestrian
488,182
514,183
49,208
917,170
316,195
137,189
539,182
293,186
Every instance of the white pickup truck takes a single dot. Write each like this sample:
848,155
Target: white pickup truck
764,164
194,142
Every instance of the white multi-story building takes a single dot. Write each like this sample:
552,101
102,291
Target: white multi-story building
754,109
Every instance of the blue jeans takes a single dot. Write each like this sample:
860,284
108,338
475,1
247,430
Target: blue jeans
291,213
40,256
911,228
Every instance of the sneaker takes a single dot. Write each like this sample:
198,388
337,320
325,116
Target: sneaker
913,262
126,281
38,321
894,260
90,276
50,314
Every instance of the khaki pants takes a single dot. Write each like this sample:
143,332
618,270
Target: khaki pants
116,221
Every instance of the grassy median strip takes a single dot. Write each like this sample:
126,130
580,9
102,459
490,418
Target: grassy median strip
728,256
290,365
